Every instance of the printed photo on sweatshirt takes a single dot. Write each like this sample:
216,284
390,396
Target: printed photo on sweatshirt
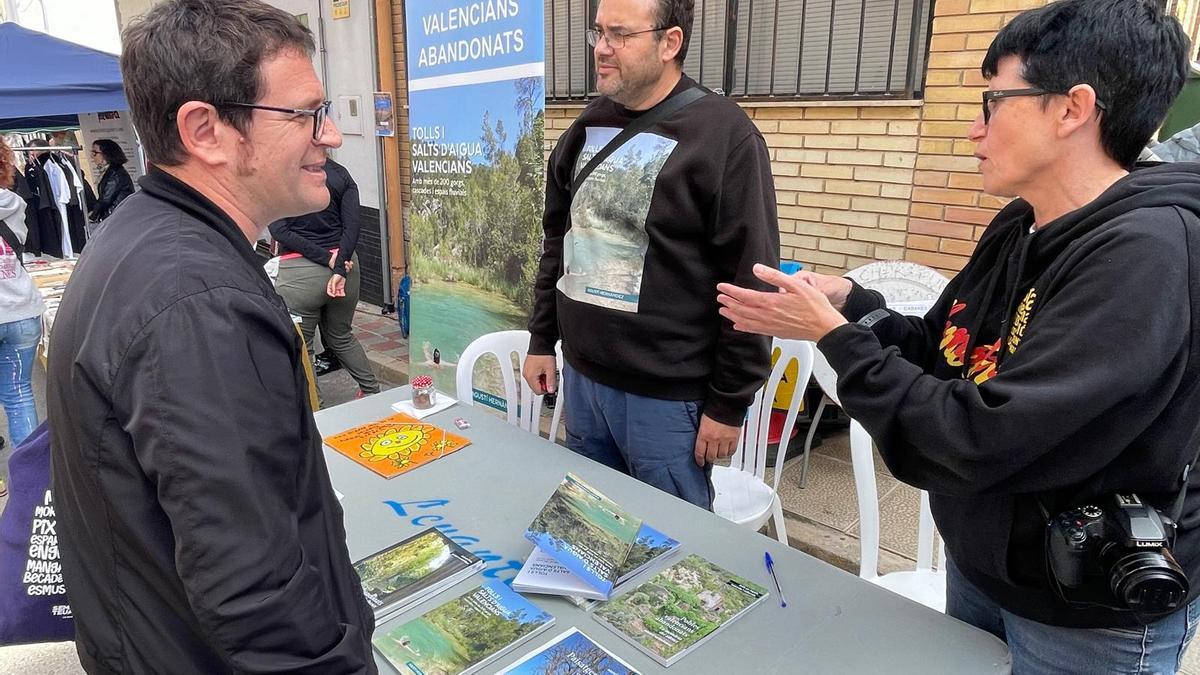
604,252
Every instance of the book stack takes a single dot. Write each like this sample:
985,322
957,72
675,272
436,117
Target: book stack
406,574
463,635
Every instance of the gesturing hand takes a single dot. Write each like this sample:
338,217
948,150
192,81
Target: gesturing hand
800,310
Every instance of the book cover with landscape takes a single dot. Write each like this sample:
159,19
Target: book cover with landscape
463,634
541,573
586,532
679,608
570,653
401,575
396,444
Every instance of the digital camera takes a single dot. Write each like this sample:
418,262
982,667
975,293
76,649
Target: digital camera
1117,555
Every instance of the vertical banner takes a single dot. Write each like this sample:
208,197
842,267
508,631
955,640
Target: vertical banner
476,120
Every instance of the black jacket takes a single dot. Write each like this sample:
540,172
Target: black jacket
1057,368
115,186
679,208
336,226
199,531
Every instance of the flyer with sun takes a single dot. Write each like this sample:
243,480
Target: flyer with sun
396,444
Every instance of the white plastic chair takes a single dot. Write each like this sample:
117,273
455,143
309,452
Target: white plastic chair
742,493
926,584
503,346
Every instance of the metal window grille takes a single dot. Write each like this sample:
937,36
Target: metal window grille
770,49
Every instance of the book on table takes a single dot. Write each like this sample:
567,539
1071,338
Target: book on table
587,533
396,444
541,573
680,608
570,652
464,634
405,574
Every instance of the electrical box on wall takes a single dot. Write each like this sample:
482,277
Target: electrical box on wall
350,115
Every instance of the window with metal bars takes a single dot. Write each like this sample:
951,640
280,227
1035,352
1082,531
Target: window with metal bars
770,49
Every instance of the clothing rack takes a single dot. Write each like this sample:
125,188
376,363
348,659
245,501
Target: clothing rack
47,148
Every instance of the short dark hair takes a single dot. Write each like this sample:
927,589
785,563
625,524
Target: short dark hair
200,50
113,154
1129,51
677,13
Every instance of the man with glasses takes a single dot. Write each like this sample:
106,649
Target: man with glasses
655,384
1061,366
198,528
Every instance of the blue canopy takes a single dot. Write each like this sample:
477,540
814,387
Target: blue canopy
46,76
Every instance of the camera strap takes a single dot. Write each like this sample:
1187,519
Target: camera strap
648,119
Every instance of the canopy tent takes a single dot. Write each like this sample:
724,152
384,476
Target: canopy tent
45,77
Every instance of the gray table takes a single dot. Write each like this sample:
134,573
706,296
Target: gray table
491,490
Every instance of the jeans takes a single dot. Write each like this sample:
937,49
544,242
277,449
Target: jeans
653,440
1040,648
18,344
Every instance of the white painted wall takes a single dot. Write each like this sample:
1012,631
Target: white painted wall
345,48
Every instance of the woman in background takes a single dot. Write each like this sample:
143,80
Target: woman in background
115,184
21,309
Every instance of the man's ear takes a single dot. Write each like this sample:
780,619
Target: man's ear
672,42
204,135
1078,109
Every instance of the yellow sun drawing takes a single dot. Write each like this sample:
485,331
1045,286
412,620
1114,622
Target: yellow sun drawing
397,443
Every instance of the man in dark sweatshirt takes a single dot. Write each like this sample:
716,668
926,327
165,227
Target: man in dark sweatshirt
199,530
656,384
1061,367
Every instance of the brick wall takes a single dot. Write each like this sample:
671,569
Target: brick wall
949,210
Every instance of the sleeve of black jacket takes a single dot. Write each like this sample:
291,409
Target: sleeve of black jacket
349,214
746,232
1109,334
543,323
211,403
284,232
916,337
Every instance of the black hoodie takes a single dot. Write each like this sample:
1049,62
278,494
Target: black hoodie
1083,380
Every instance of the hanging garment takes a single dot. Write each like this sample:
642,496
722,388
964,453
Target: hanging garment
76,217
49,222
33,239
61,191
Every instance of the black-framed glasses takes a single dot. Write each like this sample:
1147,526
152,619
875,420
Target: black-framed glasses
615,40
318,114
997,94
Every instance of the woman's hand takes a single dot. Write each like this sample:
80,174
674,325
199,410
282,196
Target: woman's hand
800,310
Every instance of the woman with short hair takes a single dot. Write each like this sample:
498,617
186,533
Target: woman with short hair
115,184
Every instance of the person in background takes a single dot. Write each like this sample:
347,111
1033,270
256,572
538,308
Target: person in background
115,184
198,528
21,309
318,274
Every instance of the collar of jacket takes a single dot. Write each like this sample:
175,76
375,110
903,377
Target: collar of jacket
163,186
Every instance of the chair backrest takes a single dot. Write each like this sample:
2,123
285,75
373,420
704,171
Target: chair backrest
751,454
524,407
905,285
862,458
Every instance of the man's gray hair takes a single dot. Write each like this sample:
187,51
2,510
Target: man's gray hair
200,50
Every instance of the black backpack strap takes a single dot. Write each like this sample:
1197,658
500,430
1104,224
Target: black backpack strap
651,117
10,238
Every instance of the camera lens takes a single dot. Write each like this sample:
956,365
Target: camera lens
1149,582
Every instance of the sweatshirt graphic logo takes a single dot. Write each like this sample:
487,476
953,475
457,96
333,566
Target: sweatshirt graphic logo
1021,320
954,348
604,252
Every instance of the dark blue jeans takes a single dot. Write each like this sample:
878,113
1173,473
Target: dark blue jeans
1040,648
651,439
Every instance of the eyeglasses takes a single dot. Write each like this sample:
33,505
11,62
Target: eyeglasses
318,114
997,94
614,40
